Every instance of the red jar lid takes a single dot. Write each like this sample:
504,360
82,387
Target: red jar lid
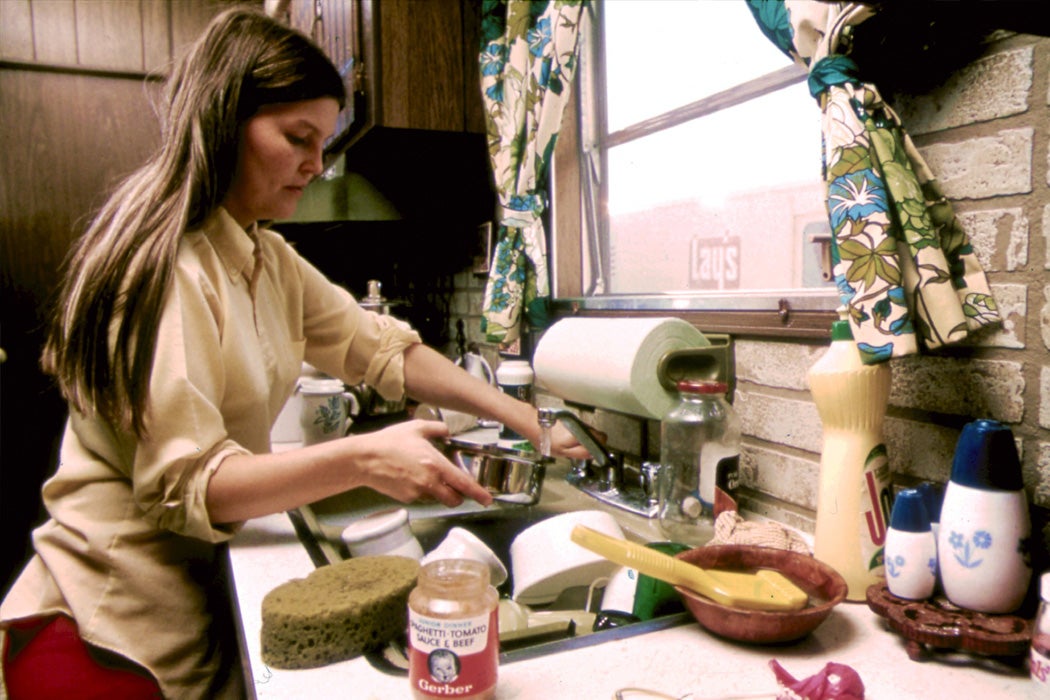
702,386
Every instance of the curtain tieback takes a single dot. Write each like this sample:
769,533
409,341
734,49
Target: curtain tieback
522,210
829,71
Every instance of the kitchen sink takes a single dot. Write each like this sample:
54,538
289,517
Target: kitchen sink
320,526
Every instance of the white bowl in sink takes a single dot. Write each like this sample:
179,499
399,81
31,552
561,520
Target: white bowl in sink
545,562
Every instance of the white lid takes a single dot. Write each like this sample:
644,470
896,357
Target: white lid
321,385
1044,586
514,372
375,525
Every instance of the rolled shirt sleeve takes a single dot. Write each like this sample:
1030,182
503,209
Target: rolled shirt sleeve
346,341
227,360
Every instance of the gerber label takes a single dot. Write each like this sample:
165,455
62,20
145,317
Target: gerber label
453,658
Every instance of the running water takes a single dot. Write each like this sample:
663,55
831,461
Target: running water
545,440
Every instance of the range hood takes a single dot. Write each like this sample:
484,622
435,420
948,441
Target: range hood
402,207
406,174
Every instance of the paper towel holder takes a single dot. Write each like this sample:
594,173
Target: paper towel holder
714,361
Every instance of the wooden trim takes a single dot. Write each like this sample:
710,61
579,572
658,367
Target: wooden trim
799,325
567,212
82,70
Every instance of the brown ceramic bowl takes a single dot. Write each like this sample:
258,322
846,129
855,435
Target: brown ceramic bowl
825,586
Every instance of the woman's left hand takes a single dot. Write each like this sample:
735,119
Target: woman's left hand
565,444
402,462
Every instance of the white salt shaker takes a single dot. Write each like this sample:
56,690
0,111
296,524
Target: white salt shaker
911,551
985,531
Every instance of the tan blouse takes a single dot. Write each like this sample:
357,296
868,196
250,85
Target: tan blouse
129,551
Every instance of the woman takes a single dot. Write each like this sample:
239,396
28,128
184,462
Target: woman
179,334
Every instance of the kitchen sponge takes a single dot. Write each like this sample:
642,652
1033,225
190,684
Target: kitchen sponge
337,612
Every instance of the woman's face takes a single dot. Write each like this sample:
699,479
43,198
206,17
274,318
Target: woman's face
280,152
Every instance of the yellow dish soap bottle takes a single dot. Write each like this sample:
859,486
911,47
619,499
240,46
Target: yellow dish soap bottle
854,496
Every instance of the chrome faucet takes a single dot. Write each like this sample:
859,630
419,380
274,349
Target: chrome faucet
611,467
609,484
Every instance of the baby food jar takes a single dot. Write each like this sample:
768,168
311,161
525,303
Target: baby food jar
453,631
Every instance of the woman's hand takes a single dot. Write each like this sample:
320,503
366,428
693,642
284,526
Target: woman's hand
565,444
402,462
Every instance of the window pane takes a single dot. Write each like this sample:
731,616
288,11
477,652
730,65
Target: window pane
663,54
727,201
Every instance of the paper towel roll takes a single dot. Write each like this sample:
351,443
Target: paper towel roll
612,363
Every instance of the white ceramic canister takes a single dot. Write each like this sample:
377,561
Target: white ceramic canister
911,551
982,545
515,377
385,532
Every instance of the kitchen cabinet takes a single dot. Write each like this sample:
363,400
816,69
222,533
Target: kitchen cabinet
421,64
411,64
417,133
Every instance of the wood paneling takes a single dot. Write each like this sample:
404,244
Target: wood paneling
156,34
189,17
55,32
114,30
56,168
67,137
16,30
474,110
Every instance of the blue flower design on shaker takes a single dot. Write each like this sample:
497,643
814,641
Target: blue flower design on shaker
895,565
328,415
962,551
931,564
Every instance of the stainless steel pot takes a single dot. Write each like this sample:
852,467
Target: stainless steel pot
511,476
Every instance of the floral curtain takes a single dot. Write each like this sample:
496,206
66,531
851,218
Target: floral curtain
528,59
904,267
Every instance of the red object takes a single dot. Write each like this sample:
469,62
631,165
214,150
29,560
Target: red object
834,682
45,658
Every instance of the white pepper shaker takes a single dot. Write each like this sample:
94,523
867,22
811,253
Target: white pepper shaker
985,532
911,551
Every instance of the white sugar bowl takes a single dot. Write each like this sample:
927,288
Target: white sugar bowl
384,532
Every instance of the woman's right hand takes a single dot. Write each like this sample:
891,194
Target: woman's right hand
402,462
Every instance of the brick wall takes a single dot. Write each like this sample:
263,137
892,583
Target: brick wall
986,134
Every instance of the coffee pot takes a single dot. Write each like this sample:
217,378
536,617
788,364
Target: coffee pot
478,366
372,404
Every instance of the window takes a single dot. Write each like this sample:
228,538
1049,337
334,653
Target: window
696,149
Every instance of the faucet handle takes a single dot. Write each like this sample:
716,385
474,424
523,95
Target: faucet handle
650,475
546,417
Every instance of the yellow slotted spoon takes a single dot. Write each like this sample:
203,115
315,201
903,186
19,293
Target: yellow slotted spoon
763,590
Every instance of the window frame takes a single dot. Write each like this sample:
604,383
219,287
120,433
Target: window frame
790,313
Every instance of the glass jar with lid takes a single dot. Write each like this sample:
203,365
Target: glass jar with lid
699,461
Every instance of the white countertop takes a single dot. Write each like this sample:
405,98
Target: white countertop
675,661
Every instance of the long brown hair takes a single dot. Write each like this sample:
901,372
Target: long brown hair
103,331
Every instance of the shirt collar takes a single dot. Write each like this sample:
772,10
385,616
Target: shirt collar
235,246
